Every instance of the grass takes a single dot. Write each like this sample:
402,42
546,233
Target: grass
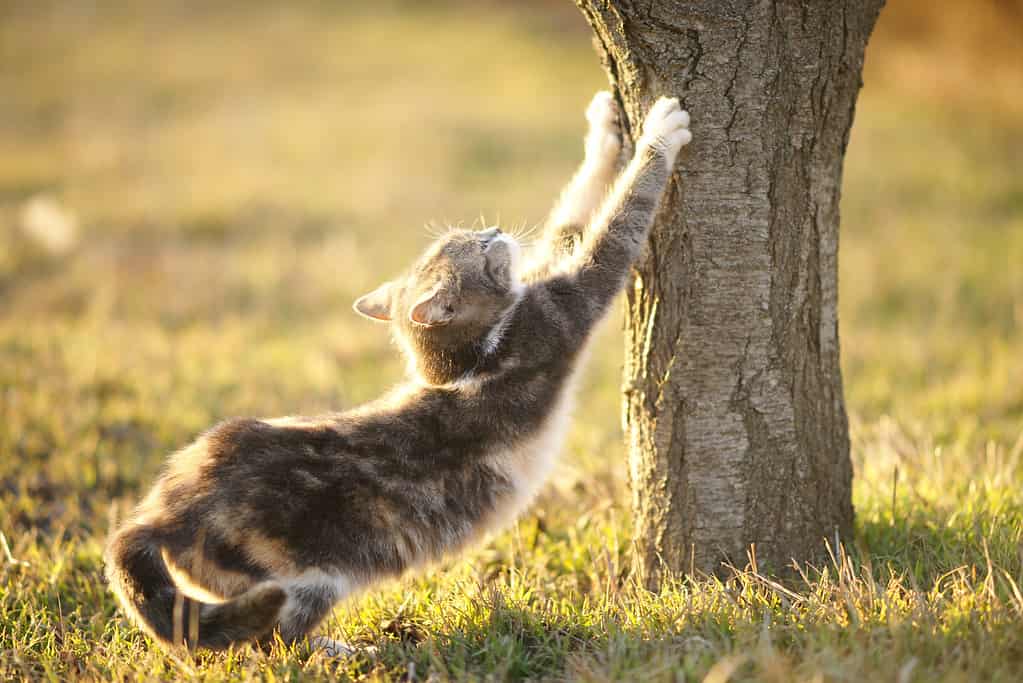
240,174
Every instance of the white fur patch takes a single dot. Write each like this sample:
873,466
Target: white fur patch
515,255
528,465
496,333
335,584
590,184
666,129
337,649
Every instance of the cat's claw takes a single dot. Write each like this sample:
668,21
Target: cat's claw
604,139
666,128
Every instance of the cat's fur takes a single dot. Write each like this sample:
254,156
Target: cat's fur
264,524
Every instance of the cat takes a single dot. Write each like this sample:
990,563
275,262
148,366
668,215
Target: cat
262,526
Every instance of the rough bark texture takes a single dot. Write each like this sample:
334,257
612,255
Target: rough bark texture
733,408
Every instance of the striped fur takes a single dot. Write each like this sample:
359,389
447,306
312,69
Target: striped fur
266,524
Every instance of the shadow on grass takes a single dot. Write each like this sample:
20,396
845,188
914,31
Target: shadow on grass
522,642
929,542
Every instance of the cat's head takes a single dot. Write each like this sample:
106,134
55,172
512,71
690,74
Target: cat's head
446,308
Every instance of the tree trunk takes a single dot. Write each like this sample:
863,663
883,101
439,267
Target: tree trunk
733,404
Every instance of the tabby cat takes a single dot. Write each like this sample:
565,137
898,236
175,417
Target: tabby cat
264,525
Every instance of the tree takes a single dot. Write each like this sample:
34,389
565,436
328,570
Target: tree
733,406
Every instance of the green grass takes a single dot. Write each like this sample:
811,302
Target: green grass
240,175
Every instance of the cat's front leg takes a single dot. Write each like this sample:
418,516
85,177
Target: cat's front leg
603,146
588,187
619,229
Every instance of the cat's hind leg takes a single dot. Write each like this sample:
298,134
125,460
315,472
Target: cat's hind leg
336,649
310,598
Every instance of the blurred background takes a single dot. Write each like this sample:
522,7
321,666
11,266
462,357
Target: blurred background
193,193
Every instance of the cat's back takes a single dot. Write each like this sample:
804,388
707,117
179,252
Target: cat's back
390,484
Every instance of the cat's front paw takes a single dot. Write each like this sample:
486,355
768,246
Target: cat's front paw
666,129
604,139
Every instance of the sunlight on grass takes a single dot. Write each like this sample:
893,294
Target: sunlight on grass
237,175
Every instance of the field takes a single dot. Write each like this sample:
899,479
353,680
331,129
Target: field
238,175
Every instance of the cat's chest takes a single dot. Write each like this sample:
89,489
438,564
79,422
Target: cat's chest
527,464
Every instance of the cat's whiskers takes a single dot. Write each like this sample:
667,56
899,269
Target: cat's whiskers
434,230
522,233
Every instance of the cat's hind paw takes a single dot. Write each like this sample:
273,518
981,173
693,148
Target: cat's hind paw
666,128
335,649
604,139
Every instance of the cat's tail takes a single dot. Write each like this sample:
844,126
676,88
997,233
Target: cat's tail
140,579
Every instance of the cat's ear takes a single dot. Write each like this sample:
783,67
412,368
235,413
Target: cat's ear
376,304
432,309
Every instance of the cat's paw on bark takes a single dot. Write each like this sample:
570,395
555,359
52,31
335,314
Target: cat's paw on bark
604,138
666,128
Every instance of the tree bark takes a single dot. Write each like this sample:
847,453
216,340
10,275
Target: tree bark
733,405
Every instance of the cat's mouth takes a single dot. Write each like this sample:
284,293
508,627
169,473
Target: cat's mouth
508,241
506,251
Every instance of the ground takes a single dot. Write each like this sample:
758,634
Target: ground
239,175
